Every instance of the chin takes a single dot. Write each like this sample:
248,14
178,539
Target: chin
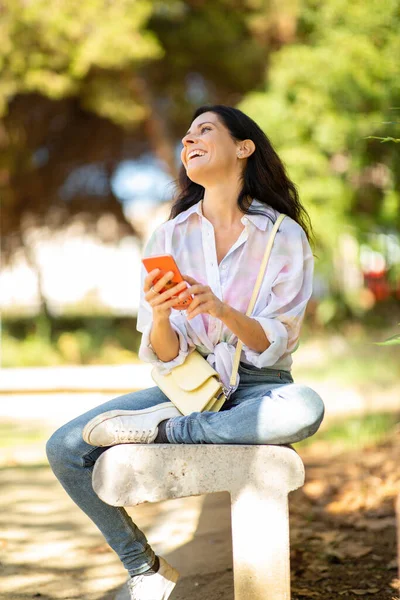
200,175
195,176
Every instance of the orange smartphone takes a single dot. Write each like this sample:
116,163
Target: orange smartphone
166,262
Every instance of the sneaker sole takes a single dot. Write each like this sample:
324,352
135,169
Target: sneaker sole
87,430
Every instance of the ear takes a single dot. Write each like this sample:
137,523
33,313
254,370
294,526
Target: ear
248,147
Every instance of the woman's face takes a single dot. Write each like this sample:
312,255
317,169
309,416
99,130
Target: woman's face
218,151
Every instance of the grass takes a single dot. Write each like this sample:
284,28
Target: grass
21,433
355,433
349,357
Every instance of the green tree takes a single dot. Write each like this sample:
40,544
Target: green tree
86,84
338,82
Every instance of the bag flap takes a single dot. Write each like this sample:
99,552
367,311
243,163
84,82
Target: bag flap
193,373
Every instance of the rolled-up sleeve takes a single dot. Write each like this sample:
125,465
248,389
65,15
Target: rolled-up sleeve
287,297
156,245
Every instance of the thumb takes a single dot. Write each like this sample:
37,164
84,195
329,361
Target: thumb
189,279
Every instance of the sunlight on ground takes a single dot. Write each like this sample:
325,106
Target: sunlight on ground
176,523
49,546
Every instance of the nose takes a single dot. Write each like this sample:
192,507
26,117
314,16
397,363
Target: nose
188,139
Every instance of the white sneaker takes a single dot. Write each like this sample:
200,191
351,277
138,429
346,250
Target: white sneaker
154,587
128,426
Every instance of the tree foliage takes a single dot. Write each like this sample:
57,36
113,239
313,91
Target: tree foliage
86,84
62,49
325,95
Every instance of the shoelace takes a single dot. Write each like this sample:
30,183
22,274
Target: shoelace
131,435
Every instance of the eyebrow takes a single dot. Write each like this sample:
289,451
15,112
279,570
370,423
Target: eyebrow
199,125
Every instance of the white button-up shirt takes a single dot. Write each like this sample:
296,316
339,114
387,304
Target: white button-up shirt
280,305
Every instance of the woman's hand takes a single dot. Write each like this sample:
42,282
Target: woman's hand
204,301
161,303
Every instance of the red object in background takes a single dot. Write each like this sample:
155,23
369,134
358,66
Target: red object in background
397,294
379,285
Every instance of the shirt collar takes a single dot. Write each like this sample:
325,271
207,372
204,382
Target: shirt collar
259,221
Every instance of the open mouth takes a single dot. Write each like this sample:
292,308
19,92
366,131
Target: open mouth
196,155
194,158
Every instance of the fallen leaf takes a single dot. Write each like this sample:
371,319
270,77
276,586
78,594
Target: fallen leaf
374,524
392,564
331,536
395,584
305,593
315,489
376,557
335,554
354,549
364,592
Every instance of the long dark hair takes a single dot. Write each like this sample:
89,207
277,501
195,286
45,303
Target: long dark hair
264,178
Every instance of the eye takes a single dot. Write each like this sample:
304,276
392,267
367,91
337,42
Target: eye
205,128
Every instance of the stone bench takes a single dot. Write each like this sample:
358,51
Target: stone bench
258,478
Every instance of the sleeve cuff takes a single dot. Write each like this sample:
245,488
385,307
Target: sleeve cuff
277,335
147,354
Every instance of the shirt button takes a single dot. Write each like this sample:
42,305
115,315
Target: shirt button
245,220
224,267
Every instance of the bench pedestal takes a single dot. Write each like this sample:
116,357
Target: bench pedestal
258,478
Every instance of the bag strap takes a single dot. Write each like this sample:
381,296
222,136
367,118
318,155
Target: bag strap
257,286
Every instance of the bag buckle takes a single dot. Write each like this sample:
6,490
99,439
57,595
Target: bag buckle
226,391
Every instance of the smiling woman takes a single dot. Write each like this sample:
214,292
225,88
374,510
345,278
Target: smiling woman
232,187
236,151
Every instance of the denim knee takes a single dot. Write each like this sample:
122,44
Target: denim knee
60,449
54,450
313,408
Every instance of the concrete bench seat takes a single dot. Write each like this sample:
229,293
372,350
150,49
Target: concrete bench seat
258,478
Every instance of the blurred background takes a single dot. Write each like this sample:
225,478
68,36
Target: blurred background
95,97
94,100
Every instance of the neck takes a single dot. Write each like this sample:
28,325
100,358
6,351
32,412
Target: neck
219,206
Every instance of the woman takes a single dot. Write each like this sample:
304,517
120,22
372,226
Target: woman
232,188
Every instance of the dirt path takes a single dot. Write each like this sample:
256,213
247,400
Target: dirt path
342,533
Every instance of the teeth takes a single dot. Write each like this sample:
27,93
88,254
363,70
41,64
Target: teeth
195,153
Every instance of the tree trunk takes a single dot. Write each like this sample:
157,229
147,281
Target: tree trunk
156,126
44,322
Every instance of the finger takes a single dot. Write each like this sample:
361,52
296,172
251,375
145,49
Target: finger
203,307
194,303
193,290
164,282
189,279
168,294
190,313
198,302
198,311
163,304
161,281
148,280
179,287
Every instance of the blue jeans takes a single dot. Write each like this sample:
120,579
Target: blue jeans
266,408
